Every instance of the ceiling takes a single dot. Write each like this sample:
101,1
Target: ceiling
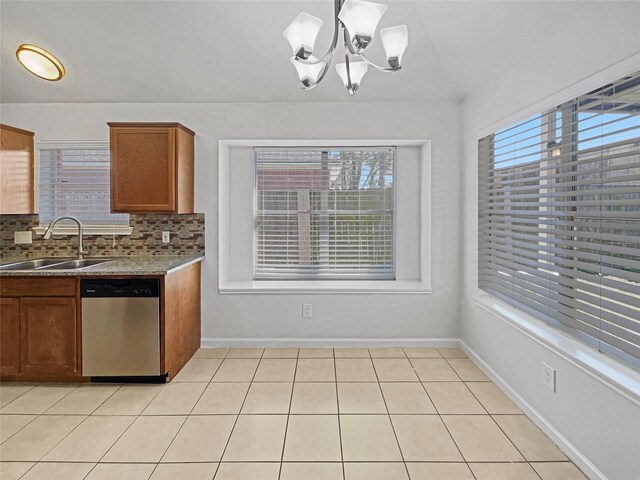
233,51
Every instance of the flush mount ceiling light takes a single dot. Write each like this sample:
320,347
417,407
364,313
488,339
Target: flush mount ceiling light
40,62
359,21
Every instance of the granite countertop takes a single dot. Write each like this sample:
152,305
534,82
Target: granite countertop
130,265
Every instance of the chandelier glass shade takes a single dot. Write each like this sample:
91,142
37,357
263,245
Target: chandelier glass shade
308,73
360,19
302,33
395,41
356,73
355,23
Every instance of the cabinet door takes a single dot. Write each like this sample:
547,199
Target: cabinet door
16,170
9,336
143,170
49,335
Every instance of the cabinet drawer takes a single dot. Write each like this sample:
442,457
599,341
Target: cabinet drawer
38,287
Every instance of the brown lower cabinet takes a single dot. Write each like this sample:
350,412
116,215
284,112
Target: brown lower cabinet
40,326
9,336
180,314
49,336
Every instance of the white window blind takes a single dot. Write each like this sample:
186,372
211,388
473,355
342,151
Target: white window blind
559,217
75,180
324,213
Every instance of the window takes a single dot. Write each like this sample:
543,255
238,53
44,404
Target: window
75,180
559,217
324,213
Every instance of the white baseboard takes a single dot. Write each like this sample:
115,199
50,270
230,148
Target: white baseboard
330,342
583,463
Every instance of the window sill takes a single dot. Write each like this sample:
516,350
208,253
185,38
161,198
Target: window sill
612,373
327,287
69,230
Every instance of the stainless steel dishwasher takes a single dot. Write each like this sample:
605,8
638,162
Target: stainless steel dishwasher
121,330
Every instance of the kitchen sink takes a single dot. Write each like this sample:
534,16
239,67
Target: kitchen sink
61,263
76,264
33,264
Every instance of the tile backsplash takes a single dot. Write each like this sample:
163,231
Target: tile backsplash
187,238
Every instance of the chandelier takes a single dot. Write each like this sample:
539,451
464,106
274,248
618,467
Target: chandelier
358,20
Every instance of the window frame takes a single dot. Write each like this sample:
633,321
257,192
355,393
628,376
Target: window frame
72,229
611,373
520,315
419,286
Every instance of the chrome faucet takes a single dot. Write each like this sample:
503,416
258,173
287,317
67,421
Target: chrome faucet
49,231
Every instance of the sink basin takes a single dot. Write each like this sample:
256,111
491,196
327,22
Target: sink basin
61,263
76,264
34,264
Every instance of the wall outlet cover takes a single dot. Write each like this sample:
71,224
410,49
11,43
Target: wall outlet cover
166,236
549,377
22,237
307,310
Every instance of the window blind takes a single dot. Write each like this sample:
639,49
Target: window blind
75,180
559,217
324,213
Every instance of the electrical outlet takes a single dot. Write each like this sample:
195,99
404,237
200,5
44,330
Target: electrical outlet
549,377
22,237
307,310
166,236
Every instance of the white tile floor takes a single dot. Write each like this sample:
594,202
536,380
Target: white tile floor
281,414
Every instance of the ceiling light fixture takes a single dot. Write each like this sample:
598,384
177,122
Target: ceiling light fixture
358,21
40,62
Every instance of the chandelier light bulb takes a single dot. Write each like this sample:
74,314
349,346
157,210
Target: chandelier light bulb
361,19
356,72
308,74
395,41
301,34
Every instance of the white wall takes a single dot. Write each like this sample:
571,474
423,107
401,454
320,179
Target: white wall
602,424
346,317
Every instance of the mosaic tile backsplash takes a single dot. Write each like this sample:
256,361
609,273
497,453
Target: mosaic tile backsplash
187,238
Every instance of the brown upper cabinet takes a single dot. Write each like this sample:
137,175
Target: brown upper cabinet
152,167
16,170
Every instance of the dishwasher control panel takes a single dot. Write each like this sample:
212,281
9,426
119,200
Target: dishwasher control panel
120,288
